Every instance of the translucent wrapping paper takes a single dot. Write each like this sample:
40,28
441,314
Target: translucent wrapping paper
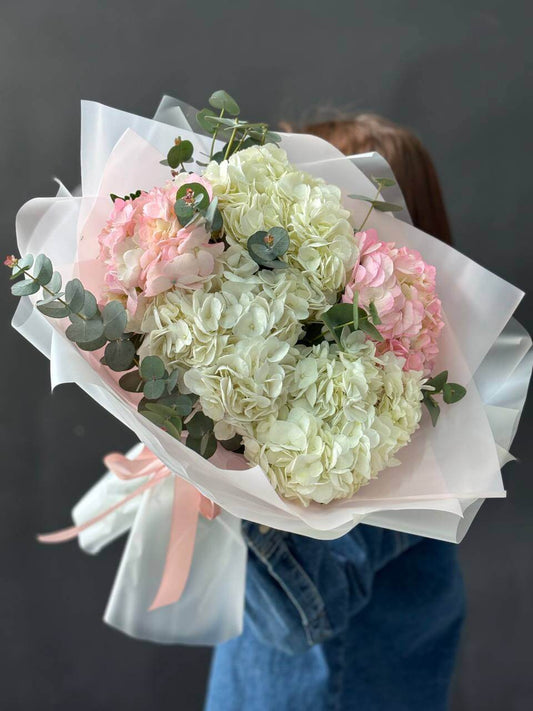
445,472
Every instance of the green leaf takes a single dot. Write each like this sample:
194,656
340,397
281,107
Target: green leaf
355,310
173,426
43,269
189,192
374,313
154,417
272,137
152,367
93,345
25,287
221,100
131,382
172,380
115,318
266,247
206,445
384,182
23,264
233,444
432,407
382,206
453,392
438,381
213,216
180,153
337,317
53,309
361,197
163,410
153,389
370,330
185,213
54,285
75,296
199,425
201,119
119,355
84,330
90,307
181,404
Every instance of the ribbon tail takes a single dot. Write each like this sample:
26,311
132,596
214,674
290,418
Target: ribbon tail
67,534
184,522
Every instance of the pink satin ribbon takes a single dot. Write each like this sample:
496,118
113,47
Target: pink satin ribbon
187,505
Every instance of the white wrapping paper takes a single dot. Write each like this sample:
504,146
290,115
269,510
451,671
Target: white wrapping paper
445,473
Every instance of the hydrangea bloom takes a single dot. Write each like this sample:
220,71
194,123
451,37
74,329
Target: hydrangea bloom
402,287
145,249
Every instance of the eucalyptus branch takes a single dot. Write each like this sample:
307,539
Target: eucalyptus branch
378,193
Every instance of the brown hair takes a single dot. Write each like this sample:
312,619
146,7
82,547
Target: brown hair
408,158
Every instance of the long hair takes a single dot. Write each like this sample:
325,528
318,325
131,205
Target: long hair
408,158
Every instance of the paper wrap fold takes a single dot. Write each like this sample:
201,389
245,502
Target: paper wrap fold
445,472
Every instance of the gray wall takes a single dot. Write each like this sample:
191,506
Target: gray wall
457,76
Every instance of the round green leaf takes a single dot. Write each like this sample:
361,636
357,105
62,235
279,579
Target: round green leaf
43,269
193,194
84,330
153,389
75,295
199,425
93,345
152,367
180,153
207,126
53,309
131,382
453,392
25,287
222,100
438,381
54,285
119,355
90,307
115,318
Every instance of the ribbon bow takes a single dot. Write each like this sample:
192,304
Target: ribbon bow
188,504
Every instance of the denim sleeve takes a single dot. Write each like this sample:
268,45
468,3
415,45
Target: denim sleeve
301,591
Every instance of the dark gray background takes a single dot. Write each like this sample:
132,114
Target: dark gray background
457,76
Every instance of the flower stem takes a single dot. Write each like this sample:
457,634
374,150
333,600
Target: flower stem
370,210
215,136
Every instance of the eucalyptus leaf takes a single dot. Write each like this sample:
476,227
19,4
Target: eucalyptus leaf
90,307
355,310
223,101
152,367
199,425
42,269
92,345
180,153
184,212
25,287
119,355
172,380
54,285
153,389
75,295
203,123
233,444
370,330
53,309
382,206
438,381
163,410
84,330
374,313
181,404
205,445
196,190
115,318
433,408
131,382
384,182
453,392
154,417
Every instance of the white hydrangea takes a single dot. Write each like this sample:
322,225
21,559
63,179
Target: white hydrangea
247,384
347,413
259,189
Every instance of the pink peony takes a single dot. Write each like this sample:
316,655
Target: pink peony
145,249
402,287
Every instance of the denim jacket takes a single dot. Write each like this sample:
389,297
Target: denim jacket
367,622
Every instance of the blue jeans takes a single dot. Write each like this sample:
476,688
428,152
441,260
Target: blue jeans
368,622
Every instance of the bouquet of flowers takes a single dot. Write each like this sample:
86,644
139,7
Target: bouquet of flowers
249,305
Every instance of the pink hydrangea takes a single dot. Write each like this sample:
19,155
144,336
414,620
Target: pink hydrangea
145,249
402,287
